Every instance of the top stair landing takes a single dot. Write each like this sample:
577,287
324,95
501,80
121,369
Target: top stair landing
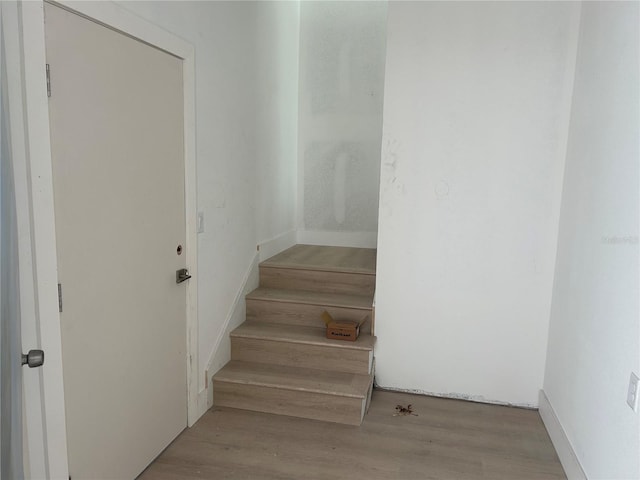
326,259
340,270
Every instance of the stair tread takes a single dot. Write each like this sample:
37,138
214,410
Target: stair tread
295,378
329,259
300,334
364,302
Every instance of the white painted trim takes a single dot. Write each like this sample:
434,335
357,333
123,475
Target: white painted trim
459,396
236,301
213,364
191,217
338,239
568,458
43,236
35,454
122,20
269,248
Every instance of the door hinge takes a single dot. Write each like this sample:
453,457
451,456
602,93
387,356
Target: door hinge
60,297
48,80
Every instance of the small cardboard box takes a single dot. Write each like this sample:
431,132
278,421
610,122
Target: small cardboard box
342,329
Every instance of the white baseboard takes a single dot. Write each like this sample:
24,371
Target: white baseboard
221,352
564,449
202,401
338,239
269,248
457,396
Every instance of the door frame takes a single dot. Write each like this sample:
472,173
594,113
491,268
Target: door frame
40,198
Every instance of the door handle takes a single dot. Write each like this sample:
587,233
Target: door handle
35,358
182,275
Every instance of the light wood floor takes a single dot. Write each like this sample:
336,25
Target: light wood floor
344,259
449,439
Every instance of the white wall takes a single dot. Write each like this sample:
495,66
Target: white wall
342,50
594,332
246,145
276,153
278,28
476,108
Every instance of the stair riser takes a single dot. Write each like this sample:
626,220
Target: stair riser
300,314
301,355
317,281
328,408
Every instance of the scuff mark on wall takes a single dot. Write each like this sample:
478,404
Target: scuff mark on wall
391,155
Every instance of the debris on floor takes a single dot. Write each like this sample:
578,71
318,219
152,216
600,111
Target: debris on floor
404,411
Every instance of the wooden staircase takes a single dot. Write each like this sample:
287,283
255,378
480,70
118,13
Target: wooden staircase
281,361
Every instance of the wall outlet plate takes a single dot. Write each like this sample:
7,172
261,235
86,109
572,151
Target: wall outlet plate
632,393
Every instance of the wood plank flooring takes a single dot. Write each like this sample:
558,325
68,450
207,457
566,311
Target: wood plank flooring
343,259
448,439
302,335
311,298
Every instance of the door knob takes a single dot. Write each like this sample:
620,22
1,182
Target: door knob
182,275
35,358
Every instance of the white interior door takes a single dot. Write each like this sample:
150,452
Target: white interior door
116,115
